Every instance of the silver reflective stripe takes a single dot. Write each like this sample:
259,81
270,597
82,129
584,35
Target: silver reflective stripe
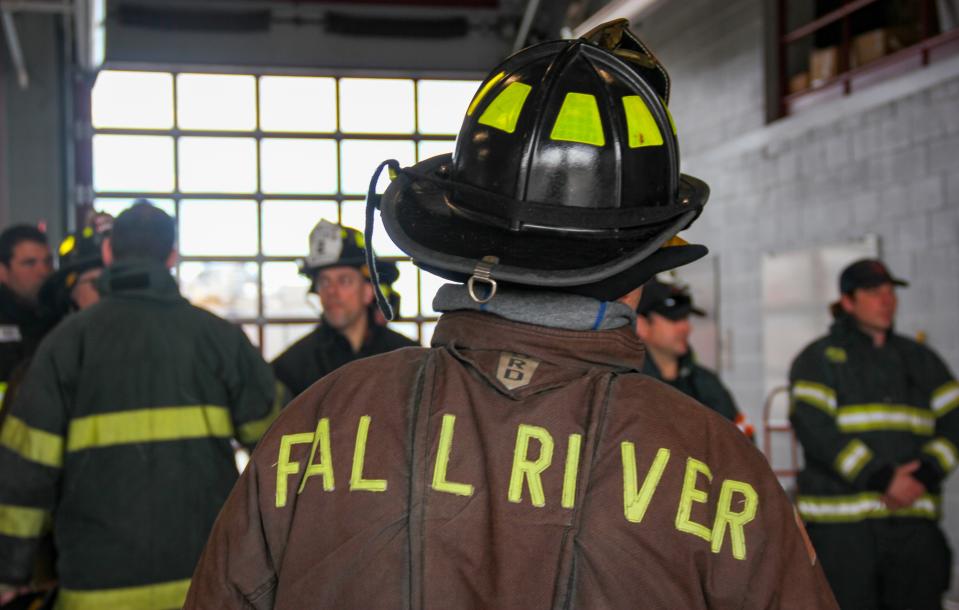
852,458
815,394
945,398
944,451
865,418
862,506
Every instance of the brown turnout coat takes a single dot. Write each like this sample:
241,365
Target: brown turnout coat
510,466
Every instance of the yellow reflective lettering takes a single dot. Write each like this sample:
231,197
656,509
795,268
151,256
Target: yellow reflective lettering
357,482
321,441
689,495
443,461
736,521
572,469
636,502
530,471
286,468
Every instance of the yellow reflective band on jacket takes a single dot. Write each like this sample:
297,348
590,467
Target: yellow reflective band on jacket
149,425
32,444
161,596
503,112
852,458
945,398
944,451
879,416
815,394
251,432
483,91
578,121
3,392
640,124
869,505
23,521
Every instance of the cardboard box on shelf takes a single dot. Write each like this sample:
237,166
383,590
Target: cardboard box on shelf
823,65
799,82
874,44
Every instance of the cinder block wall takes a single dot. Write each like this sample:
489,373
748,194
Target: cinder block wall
884,161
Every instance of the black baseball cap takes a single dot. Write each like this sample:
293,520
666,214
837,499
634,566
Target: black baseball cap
866,273
668,300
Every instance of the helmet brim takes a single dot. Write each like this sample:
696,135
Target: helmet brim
418,218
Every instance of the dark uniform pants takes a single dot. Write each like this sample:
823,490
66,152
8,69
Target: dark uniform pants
884,564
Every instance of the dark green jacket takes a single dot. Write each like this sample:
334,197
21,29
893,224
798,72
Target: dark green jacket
21,328
324,350
700,383
860,411
121,438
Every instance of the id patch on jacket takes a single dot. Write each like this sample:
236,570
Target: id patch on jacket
515,370
836,354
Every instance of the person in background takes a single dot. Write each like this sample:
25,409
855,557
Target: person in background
663,324
25,263
876,415
336,266
523,461
120,437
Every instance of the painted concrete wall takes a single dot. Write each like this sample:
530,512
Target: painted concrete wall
883,161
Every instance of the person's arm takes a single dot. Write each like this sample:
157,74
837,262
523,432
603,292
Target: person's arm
940,455
813,411
32,449
255,397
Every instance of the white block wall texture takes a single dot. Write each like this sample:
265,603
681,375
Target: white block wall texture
882,161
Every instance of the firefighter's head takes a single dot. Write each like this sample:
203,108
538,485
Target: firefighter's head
662,319
25,261
868,294
565,176
142,232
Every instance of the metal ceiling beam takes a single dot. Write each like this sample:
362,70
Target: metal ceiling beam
630,9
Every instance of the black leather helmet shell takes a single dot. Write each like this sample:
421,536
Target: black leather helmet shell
565,175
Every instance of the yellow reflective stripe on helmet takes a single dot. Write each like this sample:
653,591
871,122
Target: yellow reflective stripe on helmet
852,458
23,521
868,505
32,444
161,596
67,245
945,398
149,425
879,416
503,112
642,127
483,91
578,120
944,451
815,394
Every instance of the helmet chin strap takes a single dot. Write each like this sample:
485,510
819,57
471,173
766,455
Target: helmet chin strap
373,204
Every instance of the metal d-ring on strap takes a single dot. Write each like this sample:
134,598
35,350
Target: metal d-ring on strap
481,273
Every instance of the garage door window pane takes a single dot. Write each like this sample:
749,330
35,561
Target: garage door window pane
297,104
226,289
114,205
217,165
278,337
296,167
287,225
442,105
217,228
376,105
133,163
133,100
361,157
286,292
216,102
431,148
354,215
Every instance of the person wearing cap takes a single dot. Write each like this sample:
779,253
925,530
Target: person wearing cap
523,461
337,268
120,438
876,414
662,323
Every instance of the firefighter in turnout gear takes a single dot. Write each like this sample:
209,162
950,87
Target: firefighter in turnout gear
120,437
523,461
336,266
876,414
662,322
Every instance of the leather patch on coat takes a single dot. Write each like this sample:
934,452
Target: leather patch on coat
515,370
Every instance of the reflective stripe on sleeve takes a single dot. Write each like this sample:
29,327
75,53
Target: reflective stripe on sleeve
852,458
149,425
815,394
251,432
944,451
945,398
160,596
879,416
832,509
32,444
23,521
